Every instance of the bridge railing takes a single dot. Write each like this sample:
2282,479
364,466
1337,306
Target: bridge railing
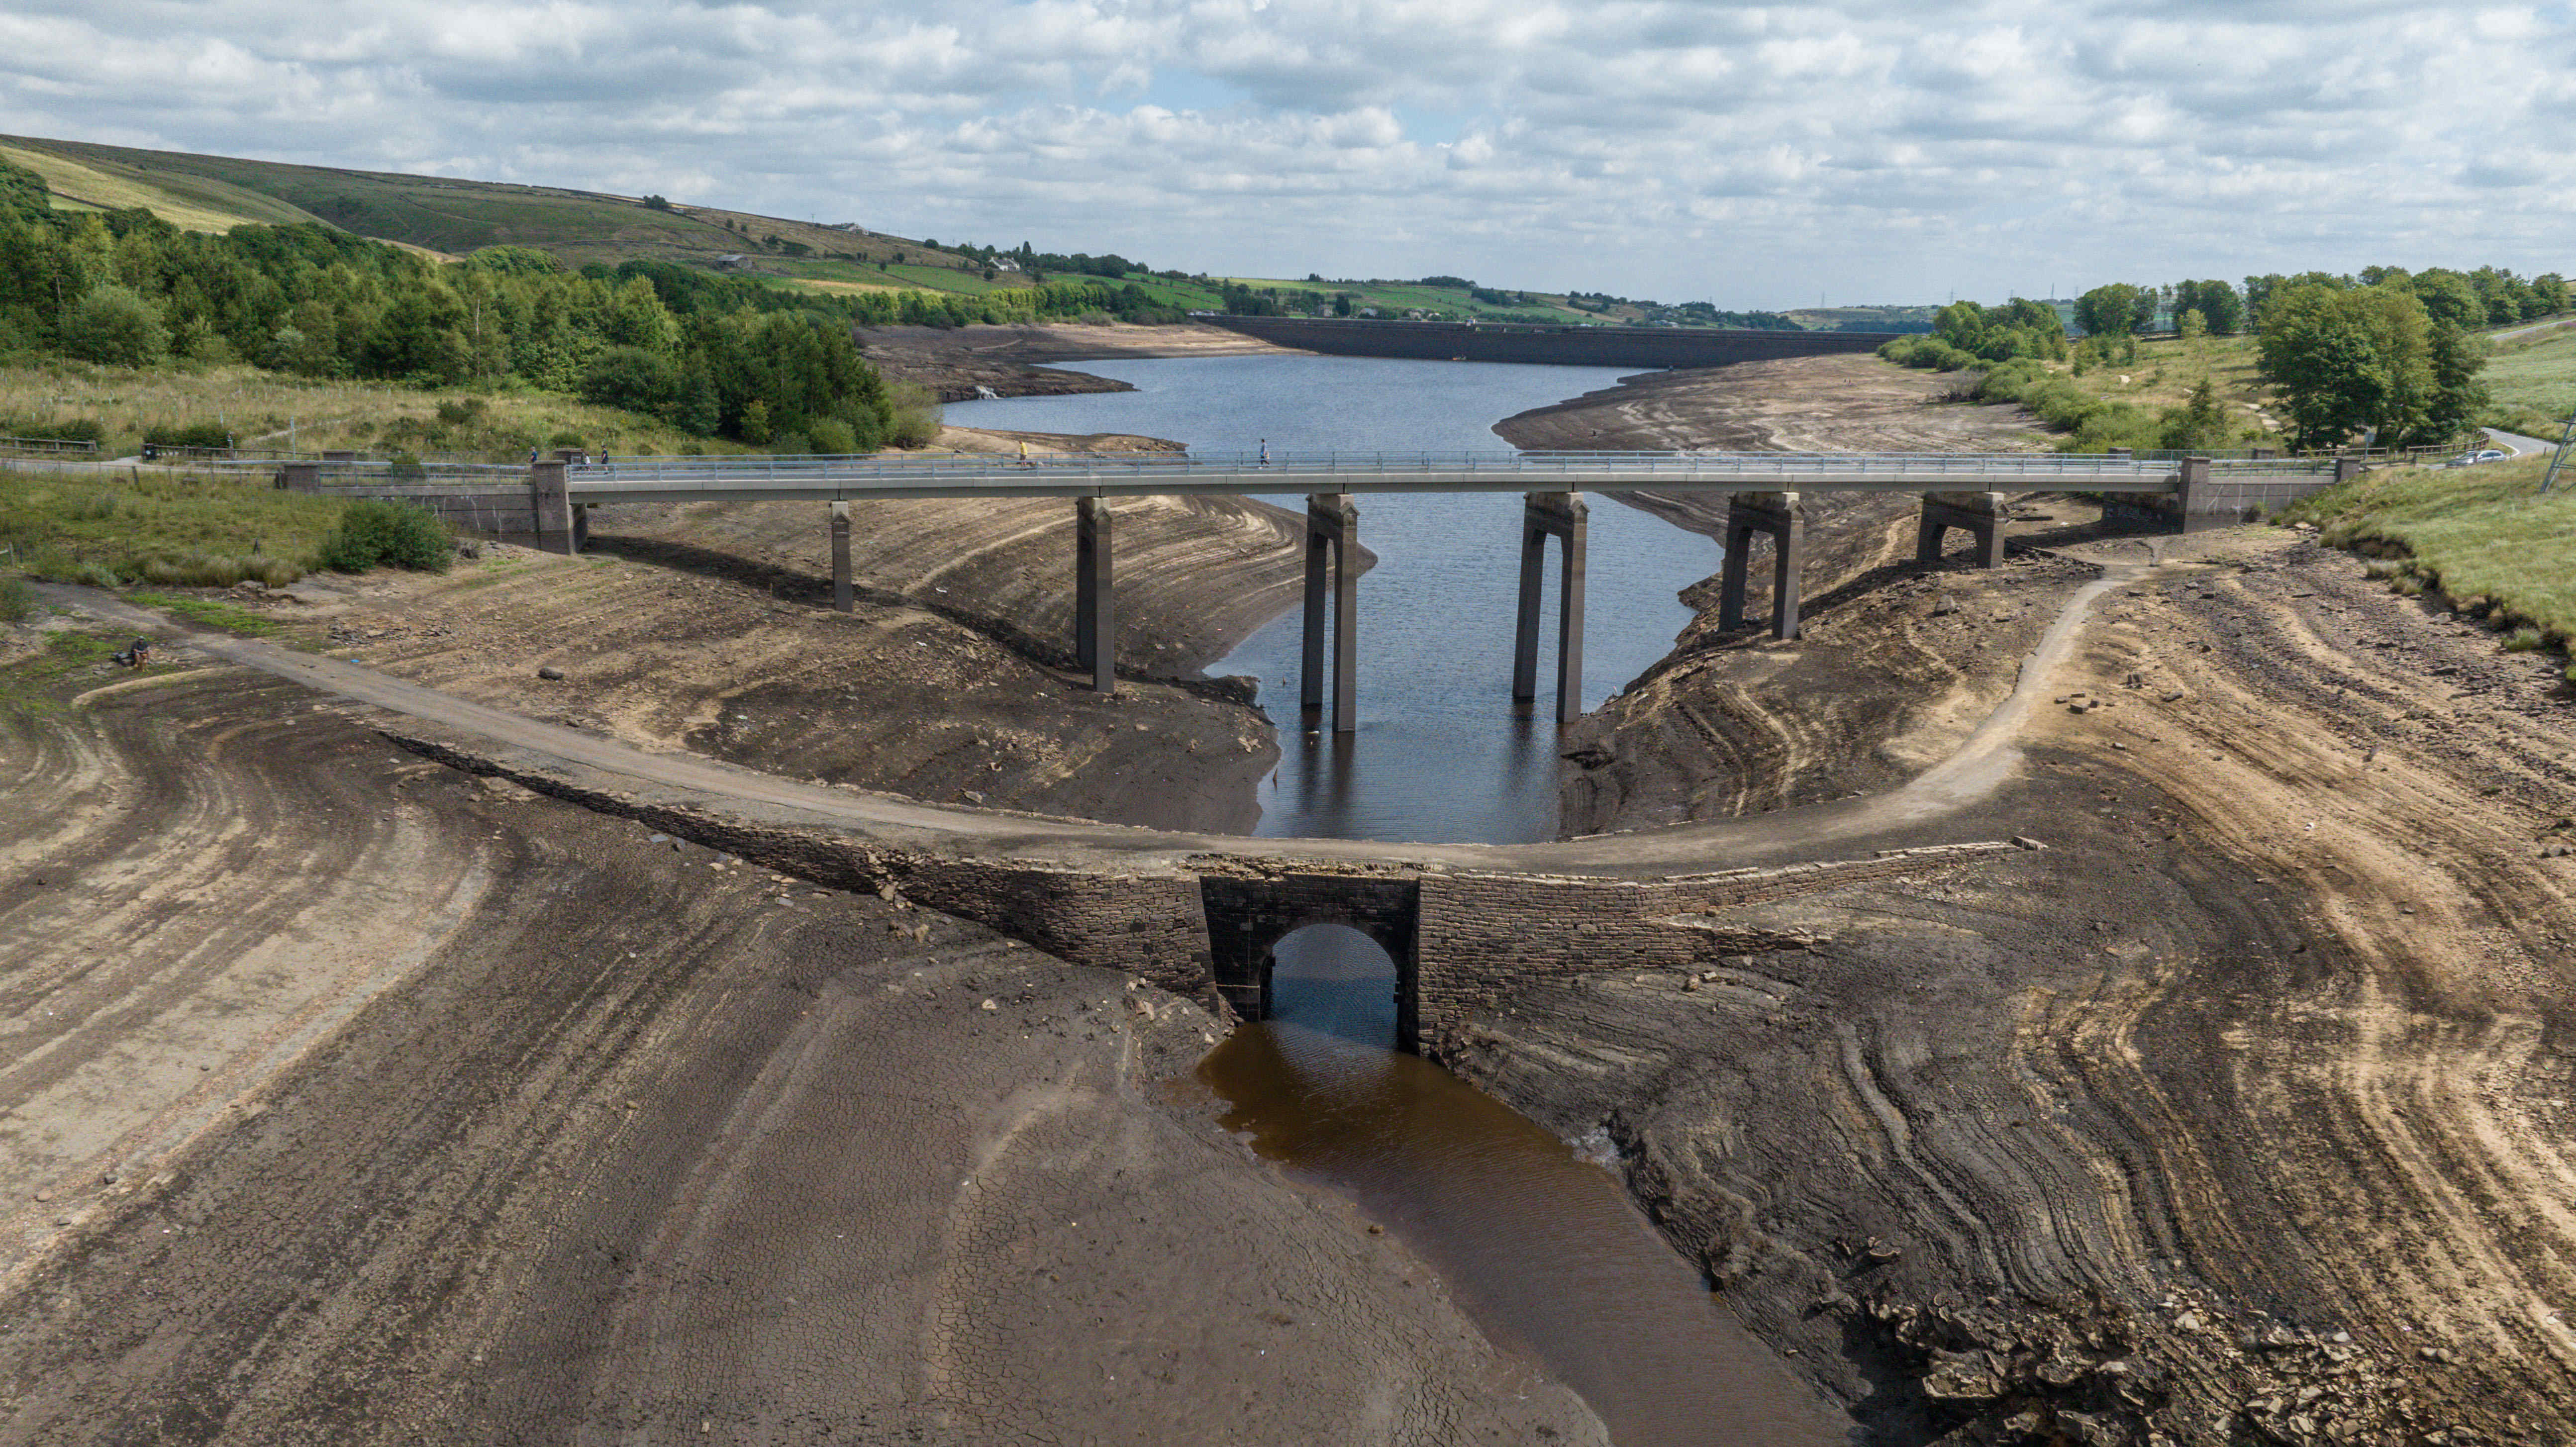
1296,469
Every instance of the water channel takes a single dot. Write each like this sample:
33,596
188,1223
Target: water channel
1541,1246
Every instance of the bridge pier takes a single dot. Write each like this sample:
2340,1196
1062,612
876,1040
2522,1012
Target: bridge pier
1332,524
1560,515
1095,610
552,503
1980,513
840,557
1776,514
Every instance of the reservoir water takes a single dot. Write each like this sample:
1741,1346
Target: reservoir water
1543,1247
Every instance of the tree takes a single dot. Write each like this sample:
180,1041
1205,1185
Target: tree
2112,310
115,327
2350,360
633,379
2199,424
2450,297
2220,308
2458,395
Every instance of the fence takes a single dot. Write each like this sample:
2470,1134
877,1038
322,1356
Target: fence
73,446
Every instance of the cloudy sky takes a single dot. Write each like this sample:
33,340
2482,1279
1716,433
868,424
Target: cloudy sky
1754,155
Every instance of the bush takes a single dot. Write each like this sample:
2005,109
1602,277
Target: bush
192,434
832,435
114,326
2524,640
78,429
373,533
17,600
916,415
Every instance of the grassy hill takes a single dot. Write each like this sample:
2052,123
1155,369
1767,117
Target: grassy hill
453,217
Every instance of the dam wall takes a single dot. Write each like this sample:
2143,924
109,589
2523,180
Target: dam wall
1564,346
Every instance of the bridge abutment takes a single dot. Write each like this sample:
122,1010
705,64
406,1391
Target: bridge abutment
1559,515
1981,514
1332,527
1775,515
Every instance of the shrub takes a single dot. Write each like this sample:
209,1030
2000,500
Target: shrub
2524,640
78,429
832,435
374,533
190,434
460,411
17,600
916,415
790,444
114,326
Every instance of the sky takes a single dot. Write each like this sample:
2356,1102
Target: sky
1750,155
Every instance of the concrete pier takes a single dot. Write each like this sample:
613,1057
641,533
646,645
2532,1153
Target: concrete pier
552,504
1095,608
1332,526
1980,513
1560,515
1774,514
840,557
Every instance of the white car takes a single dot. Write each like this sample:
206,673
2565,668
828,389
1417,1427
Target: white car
2472,459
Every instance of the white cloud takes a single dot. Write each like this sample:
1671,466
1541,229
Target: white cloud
1757,154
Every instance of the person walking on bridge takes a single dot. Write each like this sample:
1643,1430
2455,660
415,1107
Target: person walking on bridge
1265,452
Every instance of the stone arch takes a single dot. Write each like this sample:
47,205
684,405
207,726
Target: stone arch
1247,915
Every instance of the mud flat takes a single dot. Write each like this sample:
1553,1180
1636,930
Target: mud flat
960,363
351,1099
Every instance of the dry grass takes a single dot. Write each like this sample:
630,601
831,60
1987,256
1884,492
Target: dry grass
259,406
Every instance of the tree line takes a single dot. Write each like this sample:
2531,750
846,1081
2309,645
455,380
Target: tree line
2387,356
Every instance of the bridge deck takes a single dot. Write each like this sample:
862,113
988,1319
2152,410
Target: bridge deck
847,479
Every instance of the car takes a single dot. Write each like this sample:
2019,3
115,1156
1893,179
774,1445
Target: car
2472,459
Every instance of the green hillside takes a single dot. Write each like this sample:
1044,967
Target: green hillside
456,217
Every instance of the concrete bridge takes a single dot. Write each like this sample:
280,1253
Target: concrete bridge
1959,491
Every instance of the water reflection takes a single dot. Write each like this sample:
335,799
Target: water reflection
1542,1248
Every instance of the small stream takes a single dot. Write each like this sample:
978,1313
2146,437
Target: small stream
1541,1246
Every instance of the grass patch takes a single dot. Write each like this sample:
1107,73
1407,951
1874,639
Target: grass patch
17,601
2472,531
212,612
271,409
2532,382
175,530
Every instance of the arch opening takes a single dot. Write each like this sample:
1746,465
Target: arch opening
1337,980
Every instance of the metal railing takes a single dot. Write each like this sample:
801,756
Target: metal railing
670,478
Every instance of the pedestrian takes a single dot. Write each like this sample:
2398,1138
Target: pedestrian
532,457
1265,452
1024,453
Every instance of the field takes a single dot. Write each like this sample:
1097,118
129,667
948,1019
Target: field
274,409
191,203
2533,381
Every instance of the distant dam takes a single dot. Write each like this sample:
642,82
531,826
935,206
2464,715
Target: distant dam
1564,346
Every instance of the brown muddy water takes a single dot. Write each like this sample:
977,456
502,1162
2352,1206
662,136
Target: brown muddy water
1542,1247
